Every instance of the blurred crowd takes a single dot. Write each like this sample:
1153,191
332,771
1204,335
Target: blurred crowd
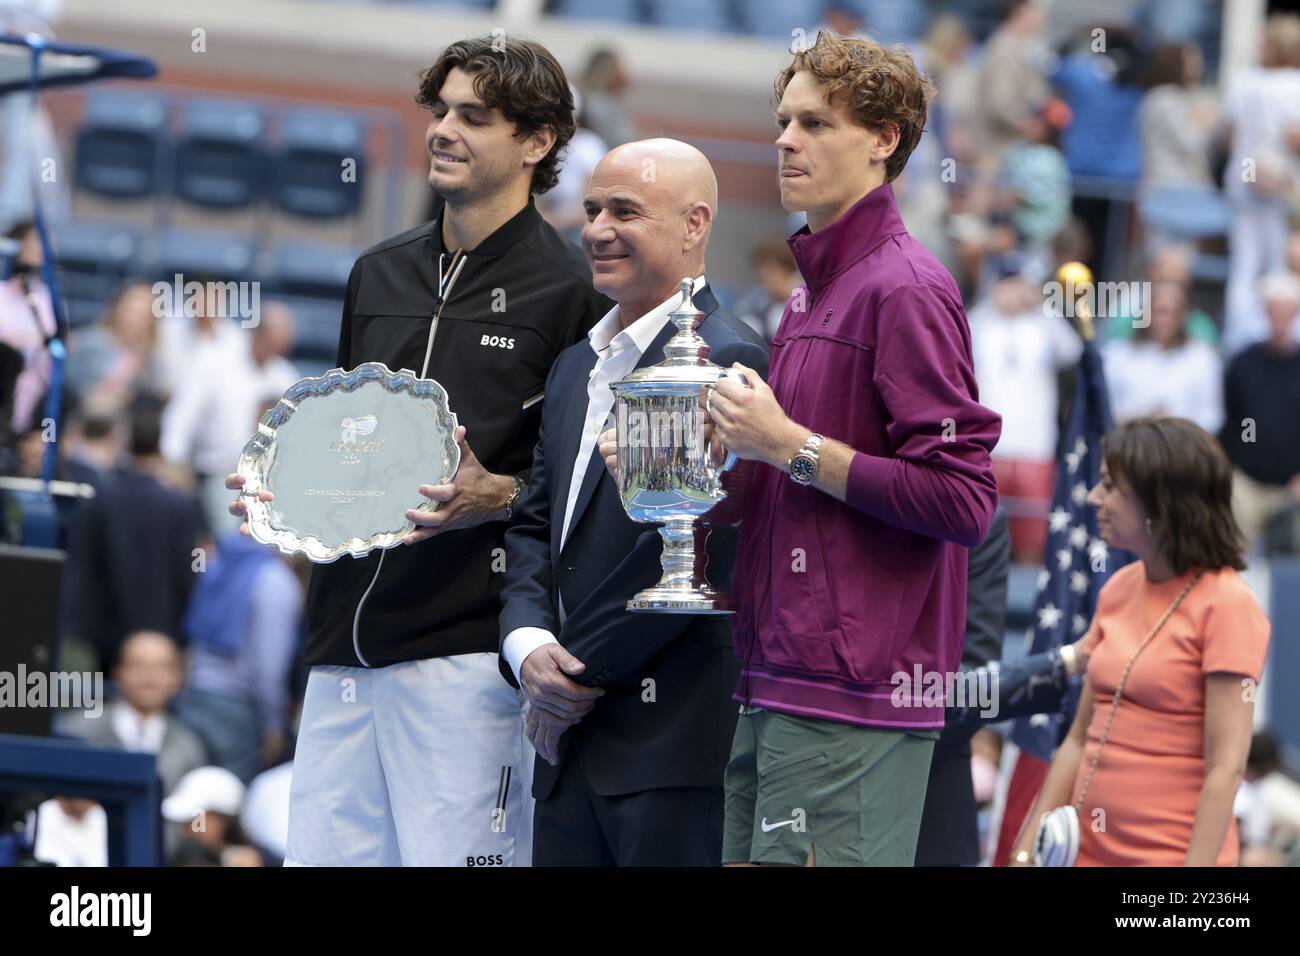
1031,154
198,628
1036,156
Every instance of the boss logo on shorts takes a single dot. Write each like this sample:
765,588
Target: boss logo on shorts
492,859
497,341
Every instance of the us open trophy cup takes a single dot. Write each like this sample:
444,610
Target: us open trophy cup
666,475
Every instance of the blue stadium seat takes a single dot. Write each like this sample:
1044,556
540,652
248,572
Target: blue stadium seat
94,258
778,19
708,16
308,178
311,269
617,11
894,21
199,256
311,279
464,4
220,157
315,328
1188,212
120,145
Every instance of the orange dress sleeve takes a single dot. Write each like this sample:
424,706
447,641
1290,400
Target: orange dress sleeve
1093,637
1236,635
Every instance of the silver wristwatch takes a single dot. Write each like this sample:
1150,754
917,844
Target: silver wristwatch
803,466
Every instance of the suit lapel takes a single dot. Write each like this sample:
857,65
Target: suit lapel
571,422
595,466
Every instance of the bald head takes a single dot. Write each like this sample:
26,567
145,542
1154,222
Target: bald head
650,208
678,169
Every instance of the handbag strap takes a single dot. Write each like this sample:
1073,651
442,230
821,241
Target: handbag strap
1119,689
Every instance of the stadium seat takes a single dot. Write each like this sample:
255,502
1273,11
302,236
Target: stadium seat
311,269
308,176
618,11
778,19
120,145
315,328
94,259
201,256
311,279
1187,212
464,4
708,16
894,21
220,160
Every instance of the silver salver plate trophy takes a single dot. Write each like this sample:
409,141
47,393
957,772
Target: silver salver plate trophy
344,454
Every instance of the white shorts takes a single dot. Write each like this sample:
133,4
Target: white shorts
423,763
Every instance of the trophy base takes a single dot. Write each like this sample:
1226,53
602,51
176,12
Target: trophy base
681,601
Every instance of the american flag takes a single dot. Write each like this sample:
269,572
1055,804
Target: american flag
1077,564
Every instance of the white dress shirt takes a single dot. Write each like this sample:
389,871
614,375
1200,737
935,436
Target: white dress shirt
618,350
136,731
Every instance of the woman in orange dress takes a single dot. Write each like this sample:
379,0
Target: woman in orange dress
1175,754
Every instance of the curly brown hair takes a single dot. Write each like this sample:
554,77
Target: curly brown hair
1182,476
523,80
880,85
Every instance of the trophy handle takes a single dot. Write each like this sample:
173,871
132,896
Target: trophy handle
716,472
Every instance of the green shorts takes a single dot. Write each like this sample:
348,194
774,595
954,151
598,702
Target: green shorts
853,793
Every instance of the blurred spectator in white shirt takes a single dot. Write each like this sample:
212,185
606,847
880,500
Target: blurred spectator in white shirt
71,831
1161,370
215,406
1019,347
187,341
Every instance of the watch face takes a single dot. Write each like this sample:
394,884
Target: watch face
803,469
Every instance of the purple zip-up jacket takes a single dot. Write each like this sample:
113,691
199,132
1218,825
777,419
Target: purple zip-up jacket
835,598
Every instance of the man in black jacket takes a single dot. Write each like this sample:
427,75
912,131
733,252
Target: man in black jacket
949,834
995,690
631,713
411,749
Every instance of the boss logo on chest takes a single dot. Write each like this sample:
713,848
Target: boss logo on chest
497,341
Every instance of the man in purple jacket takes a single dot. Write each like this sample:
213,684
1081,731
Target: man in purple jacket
874,480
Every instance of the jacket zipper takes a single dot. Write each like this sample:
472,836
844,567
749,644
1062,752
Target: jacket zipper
446,282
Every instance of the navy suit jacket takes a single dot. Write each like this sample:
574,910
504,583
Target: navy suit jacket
666,718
